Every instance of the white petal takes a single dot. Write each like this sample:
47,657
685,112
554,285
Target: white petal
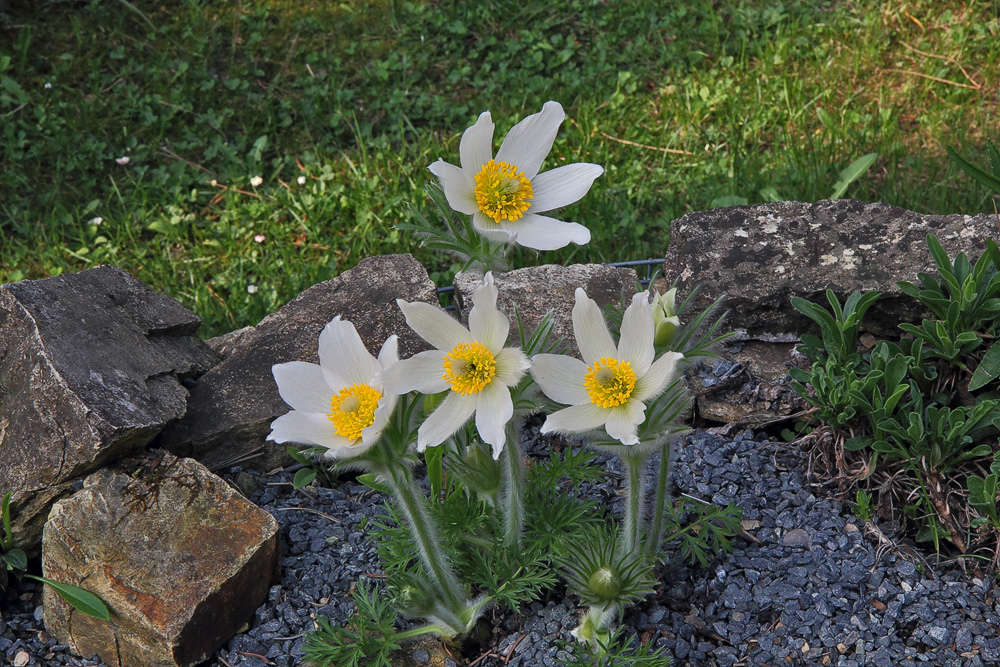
544,233
342,352
307,428
453,412
422,372
562,186
303,386
494,410
575,419
383,412
528,142
476,147
434,325
488,228
590,329
487,324
623,422
657,377
636,343
350,451
389,354
459,186
560,377
511,365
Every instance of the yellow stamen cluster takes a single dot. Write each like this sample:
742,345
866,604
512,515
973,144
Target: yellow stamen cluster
502,191
352,410
609,382
469,367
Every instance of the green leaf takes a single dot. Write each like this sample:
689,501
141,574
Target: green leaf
991,181
303,477
853,172
770,194
858,443
78,598
14,559
8,536
296,453
988,369
372,482
434,458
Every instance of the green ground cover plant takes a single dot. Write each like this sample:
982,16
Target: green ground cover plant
916,419
234,153
923,411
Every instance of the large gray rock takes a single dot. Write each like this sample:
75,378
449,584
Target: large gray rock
90,367
539,289
232,406
181,559
761,256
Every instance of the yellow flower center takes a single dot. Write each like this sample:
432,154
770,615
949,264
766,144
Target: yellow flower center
352,410
609,382
469,367
502,192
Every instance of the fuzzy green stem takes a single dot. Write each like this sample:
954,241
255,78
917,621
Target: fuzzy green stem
632,534
512,485
425,534
662,486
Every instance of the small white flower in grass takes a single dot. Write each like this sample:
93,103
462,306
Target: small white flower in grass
505,195
301,180
251,289
95,221
610,387
256,181
337,404
123,160
259,238
472,363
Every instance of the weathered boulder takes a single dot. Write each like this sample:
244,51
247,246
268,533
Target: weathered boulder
91,365
539,289
232,406
181,559
761,256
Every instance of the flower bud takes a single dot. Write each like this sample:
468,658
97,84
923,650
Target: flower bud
665,319
605,584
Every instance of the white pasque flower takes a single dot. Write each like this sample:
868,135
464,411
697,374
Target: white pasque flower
337,404
610,386
472,363
505,195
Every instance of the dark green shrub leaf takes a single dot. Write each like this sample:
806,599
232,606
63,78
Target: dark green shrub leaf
858,443
988,369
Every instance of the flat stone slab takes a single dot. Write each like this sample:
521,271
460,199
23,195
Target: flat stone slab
761,256
181,559
232,406
537,290
91,365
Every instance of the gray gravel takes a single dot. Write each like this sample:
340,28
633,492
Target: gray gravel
811,589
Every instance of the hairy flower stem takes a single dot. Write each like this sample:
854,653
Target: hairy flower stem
425,534
635,461
662,486
512,484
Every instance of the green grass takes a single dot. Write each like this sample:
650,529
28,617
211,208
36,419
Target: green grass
684,107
